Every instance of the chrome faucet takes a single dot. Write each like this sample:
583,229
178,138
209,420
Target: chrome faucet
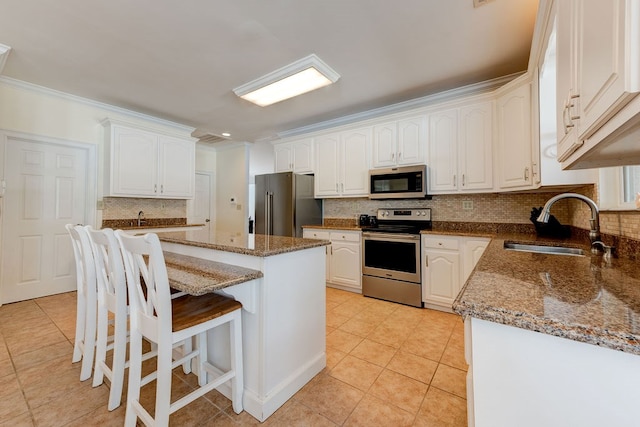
594,233
141,219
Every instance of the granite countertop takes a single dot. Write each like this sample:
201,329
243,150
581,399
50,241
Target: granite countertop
580,298
259,245
335,227
197,276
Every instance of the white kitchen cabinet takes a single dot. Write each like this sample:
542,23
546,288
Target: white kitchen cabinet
447,263
461,149
309,233
342,163
343,257
400,142
294,156
142,163
515,138
598,82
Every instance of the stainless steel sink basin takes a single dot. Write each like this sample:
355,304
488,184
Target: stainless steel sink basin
542,249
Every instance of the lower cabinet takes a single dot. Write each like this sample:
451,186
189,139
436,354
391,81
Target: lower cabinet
447,263
343,268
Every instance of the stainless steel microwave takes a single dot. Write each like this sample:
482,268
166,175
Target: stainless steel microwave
407,182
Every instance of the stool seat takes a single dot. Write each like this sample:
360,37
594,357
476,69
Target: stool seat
189,310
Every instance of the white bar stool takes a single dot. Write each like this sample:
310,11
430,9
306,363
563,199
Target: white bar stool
112,298
161,320
85,340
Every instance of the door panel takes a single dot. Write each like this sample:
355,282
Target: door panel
46,188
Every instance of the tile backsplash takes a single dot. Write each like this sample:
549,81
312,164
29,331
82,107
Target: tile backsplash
124,208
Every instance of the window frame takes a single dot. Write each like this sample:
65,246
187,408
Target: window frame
611,190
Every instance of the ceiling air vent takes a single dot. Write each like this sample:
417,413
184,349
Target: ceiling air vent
478,3
208,137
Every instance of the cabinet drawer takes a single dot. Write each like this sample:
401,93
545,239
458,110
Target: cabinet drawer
316,234
441,243
345,237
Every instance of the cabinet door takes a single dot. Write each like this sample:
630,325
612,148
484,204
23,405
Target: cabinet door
134,157
302,153
326,171
608,69
177,167
442,276
515,137
443,151
284,158
384,145
475,147
310,233
345,264
354,156
473,250
412,140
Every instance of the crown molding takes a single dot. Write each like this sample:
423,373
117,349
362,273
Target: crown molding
95,104
472,89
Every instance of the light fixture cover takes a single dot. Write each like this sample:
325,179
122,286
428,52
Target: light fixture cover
4,54
304,75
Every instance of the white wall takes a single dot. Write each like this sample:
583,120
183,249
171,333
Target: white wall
261,160
44,112
232,181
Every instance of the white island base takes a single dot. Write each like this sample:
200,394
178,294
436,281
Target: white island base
523,378
283,323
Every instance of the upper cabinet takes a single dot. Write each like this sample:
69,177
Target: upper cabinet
141,163
295,156
514,140
460,149
342,163
598,108
400,142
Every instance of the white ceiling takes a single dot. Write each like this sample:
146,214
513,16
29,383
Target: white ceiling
180,60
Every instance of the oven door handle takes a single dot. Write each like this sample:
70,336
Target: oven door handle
390,236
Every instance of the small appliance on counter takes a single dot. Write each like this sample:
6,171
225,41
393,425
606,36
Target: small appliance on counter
364,220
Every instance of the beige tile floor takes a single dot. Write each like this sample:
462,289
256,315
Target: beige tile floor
387,365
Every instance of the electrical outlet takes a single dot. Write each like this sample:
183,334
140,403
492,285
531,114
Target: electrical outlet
467,205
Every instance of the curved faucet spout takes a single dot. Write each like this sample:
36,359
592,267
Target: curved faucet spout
594,233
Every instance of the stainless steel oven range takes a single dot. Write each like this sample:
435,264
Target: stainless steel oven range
391,267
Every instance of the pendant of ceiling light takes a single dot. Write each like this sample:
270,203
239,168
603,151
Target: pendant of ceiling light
302,76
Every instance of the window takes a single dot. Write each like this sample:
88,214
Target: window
619,187
630,183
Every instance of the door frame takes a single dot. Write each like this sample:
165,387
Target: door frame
92,173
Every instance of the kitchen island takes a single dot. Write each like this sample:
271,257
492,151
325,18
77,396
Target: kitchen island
280,282
551,340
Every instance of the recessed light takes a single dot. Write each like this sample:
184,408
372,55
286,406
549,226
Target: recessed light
302,76
227,134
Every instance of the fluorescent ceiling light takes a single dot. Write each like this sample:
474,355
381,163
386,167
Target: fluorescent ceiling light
4,54
300,77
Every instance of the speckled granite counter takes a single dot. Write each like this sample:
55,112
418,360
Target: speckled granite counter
197,276
259,245
579,298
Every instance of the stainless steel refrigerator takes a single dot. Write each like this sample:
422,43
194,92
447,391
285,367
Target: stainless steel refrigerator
284,203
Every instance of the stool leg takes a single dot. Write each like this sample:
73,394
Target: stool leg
187,347
119,359
81,312
101,345
135,374
89,341
163,390
201,345
237,382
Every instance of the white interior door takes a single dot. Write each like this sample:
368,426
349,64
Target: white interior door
200,211
46,187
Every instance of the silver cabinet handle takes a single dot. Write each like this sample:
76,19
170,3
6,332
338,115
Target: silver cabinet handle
162,188
399,155
342,185
426,260
526,174
463,180
155,188
454,180
393,156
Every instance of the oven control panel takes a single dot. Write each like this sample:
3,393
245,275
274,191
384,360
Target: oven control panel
421,214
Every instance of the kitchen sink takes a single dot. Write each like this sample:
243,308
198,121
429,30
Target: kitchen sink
543,249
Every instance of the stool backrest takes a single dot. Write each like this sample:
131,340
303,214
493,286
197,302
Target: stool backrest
150,307
85,266
112,285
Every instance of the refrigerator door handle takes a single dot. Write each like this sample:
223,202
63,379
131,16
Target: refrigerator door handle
266,212
270,217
